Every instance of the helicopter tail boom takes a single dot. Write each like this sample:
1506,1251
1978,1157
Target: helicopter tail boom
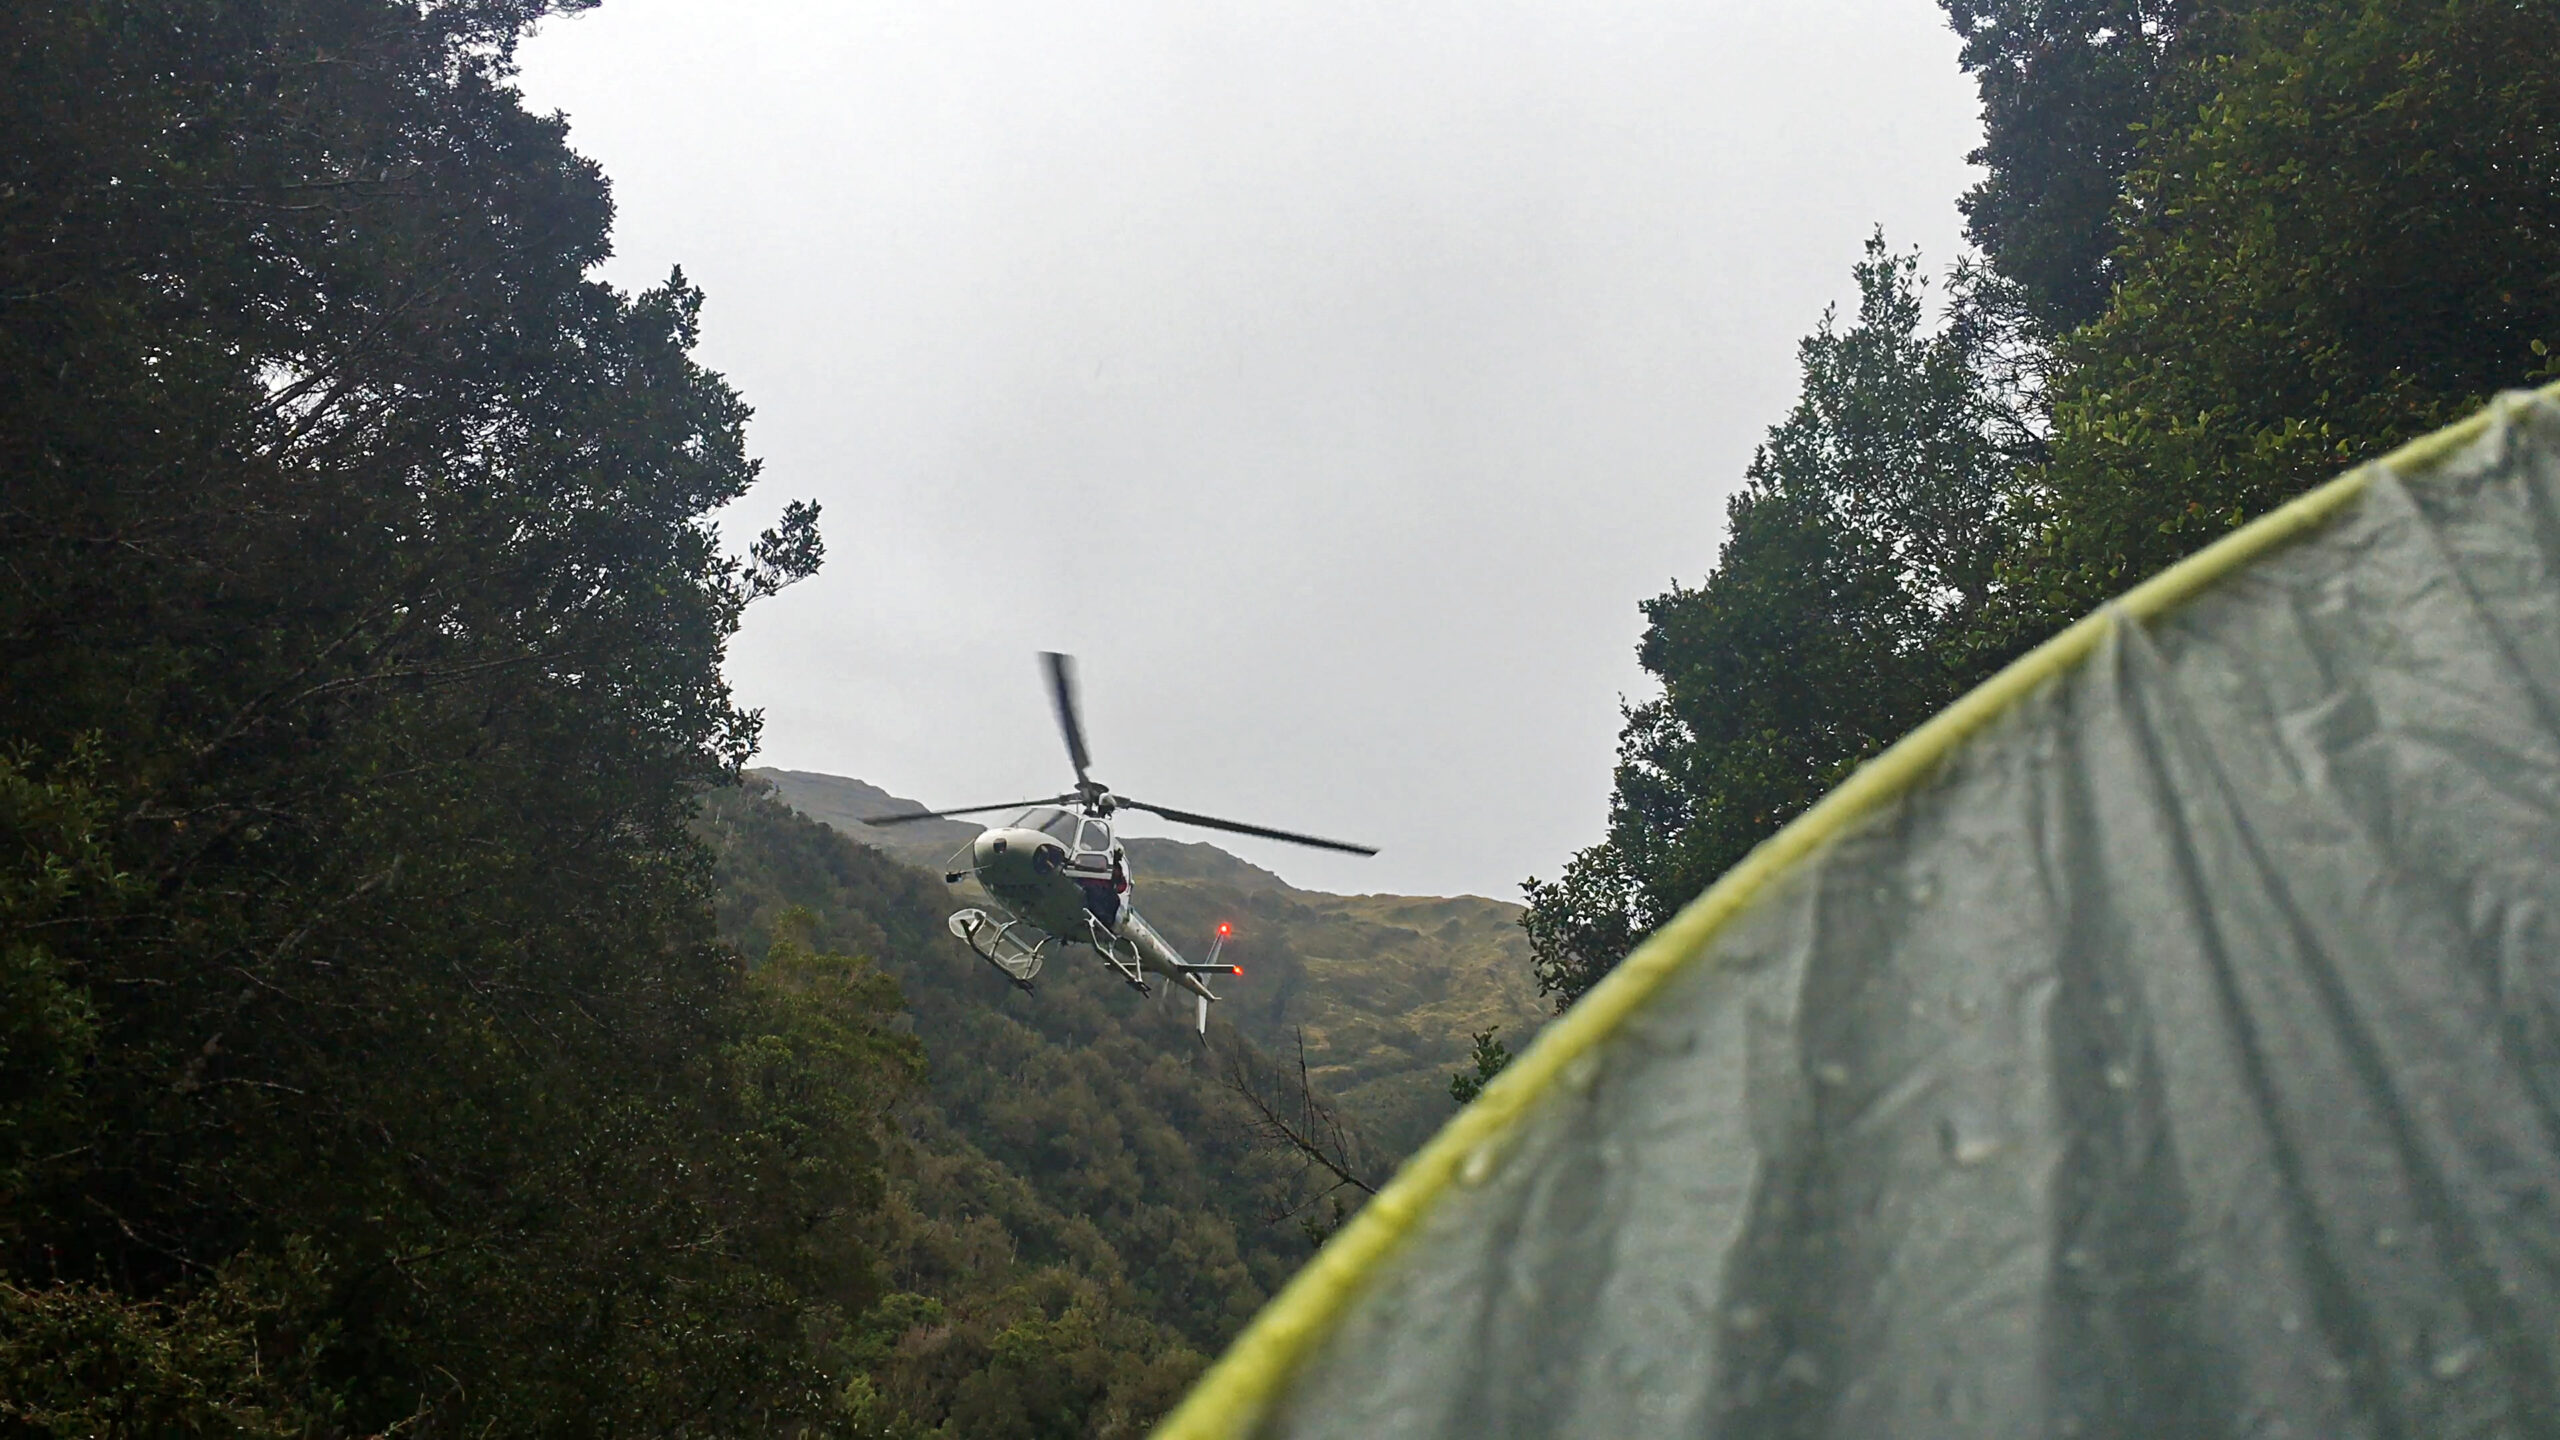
1160,956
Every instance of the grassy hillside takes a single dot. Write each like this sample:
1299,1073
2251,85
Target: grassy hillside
1387,989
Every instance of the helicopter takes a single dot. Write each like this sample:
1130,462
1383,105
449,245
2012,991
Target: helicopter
1058,876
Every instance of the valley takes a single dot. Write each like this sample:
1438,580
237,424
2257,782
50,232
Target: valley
1387,990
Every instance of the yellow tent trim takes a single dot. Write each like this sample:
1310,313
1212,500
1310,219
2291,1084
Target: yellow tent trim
1231,1398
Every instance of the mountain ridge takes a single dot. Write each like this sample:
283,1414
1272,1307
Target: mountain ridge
1386,991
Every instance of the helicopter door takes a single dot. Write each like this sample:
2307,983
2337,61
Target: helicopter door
1093,850
1095,875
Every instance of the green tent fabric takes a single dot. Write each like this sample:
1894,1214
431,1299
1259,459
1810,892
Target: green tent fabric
2162,1042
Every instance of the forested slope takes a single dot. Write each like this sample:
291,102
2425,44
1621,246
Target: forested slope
1387,990
1082,1208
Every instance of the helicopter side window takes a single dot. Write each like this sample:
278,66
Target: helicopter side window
1092,854
1062,826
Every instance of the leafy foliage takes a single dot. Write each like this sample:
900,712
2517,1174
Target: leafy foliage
2067,86
2356,240
2299,233
85,1361
1489,1058
371,1062
1859,557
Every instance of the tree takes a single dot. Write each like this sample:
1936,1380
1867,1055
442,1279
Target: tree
1858,560
2067,87
1306,1128
1488,1059
2297,233
2355,240
359,666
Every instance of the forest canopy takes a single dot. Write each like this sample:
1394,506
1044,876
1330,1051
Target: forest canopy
2225,251
370,1059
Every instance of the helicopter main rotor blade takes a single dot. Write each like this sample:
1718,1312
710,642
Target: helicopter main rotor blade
1211,822
965,810
1062,690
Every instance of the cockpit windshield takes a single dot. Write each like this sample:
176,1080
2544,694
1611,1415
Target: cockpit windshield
1060,824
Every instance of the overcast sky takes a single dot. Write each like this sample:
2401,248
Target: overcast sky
1333,379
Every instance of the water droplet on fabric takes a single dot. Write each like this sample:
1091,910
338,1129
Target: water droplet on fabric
1967,1140
1477,1168
1831,1072
2290,1322
2119,1077
1580,1071
2387,1238
2452,1364
1745,1318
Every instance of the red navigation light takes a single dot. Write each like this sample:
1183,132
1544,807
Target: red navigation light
1225,930
1235,969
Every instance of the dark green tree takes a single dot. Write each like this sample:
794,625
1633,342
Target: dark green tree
2298,234
2355,240
2067,87
1488,1058
1858,560
360,631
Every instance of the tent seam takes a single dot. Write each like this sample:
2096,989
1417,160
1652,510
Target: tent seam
1237,1391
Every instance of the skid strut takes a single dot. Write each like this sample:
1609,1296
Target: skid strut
1121,955
1000,943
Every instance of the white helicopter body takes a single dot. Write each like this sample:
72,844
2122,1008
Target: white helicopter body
1057,876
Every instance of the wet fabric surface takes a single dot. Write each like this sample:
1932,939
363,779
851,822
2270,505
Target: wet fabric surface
2183,1059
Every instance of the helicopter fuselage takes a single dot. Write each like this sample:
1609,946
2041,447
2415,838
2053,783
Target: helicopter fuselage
1063,872
1060,878
1027,870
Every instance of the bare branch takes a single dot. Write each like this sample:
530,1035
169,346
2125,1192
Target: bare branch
1289,1114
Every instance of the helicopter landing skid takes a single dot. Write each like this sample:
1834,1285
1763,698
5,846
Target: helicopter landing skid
1121,955
999,944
